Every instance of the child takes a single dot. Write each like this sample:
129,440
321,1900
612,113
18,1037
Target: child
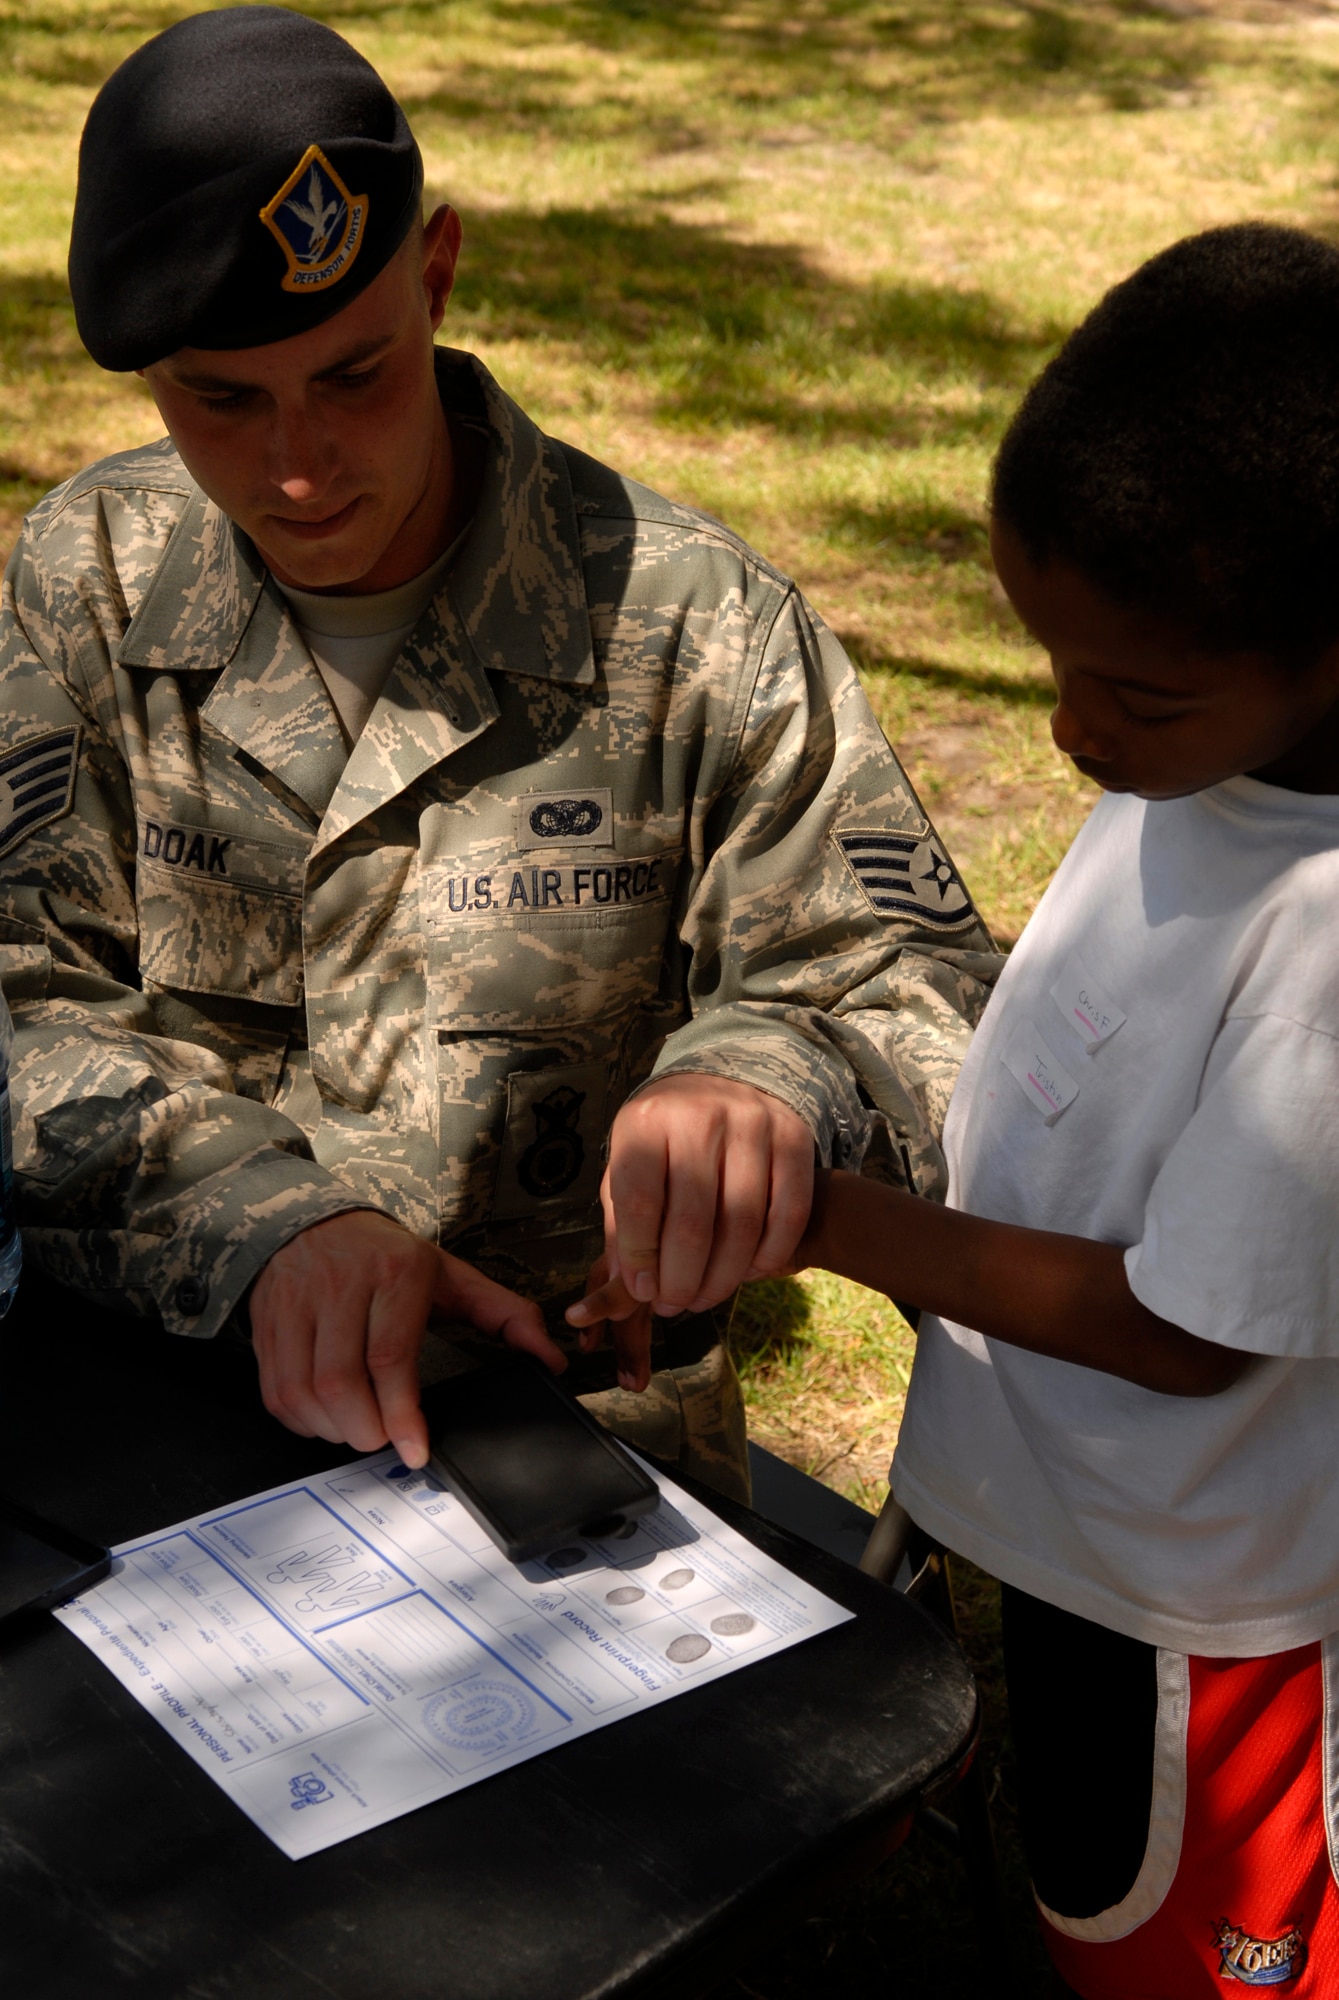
1140,1434
1126,1395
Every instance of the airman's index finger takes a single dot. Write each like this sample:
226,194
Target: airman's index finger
635,1189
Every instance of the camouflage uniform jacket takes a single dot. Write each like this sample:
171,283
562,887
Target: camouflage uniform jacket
621,809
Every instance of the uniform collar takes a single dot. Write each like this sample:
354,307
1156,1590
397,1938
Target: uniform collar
517,585
516,589
513,602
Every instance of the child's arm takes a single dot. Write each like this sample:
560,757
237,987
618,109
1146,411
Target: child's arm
1058,1295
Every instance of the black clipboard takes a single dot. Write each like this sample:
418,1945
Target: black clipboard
41,1563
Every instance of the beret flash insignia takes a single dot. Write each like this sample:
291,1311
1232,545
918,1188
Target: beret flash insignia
908,875
317,224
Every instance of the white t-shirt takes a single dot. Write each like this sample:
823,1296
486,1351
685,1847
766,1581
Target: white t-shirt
1159,1068
355,641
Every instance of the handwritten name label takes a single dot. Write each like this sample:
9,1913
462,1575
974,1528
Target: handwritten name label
1045,1082
1091,1013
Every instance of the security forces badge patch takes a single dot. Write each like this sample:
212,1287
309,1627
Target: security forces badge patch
553,1145
37,783
907,873
317,224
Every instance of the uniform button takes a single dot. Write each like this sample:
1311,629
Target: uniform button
192,1296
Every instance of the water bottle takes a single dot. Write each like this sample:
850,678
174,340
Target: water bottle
11,1243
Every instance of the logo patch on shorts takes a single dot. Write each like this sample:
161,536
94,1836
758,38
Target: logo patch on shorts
317,224
908,875
1253,1961
37,783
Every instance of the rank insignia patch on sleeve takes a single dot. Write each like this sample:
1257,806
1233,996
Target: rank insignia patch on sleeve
908,875
36,783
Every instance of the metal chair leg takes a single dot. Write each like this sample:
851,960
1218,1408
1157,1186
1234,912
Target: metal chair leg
888,1542
933,1586
976,1843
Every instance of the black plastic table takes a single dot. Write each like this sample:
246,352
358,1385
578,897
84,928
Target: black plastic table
648,1859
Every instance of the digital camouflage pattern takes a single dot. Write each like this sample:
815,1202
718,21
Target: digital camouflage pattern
592,832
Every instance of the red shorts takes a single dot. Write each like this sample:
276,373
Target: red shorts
1179,1813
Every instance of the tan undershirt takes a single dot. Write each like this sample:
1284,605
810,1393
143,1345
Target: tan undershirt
355,641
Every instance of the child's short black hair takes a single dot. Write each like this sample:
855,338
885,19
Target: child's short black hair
1182,449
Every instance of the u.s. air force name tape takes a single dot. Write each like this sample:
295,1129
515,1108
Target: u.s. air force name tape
908,875
37,783
509,889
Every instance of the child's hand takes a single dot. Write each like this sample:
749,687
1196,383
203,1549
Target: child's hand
814,1246
609,1302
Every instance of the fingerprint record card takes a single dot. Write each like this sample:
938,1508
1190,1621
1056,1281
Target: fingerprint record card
340,1650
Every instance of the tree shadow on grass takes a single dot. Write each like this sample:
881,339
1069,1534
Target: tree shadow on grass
954,58
40,347
1028,692
772,1317
58,409
724,333
37,330
720,333
927,60
947,546
935,531
82,43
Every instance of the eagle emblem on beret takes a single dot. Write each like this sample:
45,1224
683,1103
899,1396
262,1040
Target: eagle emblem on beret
317,224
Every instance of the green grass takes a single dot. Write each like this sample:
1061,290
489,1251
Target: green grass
794,263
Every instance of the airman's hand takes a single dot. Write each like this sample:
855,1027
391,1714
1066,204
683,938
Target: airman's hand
337,1319
607,1298
709,1183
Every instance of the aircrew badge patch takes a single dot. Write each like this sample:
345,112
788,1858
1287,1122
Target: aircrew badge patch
317,224
36,783
908,875
582,817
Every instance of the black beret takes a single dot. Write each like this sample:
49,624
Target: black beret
242,177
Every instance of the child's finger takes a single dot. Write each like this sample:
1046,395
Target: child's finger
611,1300
632,1350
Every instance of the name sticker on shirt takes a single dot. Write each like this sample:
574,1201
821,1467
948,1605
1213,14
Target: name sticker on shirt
1047,1084
1090,1012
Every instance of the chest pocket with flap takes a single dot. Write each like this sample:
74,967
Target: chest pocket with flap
571,948
220,912
538,972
